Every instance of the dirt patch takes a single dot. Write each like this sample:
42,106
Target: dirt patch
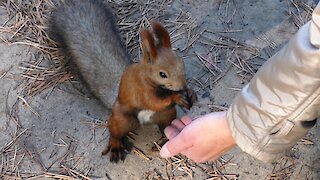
50,129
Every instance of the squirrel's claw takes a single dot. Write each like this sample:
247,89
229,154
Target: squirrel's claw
187,98
117,152
191,96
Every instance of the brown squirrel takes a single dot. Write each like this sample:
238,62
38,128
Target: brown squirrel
148,90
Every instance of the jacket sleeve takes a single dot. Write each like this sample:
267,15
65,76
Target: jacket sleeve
282,101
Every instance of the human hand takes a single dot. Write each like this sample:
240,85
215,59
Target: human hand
205,138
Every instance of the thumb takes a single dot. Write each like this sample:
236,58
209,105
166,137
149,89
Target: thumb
175,146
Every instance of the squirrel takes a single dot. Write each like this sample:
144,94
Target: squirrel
148,90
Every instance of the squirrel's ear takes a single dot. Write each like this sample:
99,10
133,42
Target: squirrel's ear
148,46
162,34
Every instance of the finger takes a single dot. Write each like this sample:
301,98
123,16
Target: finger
175,145
178,124
171,132
186,120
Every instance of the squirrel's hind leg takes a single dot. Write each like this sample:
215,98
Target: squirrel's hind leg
120,124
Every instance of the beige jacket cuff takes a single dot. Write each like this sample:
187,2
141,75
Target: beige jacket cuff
267,117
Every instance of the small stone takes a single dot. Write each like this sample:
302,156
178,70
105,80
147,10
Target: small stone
206,94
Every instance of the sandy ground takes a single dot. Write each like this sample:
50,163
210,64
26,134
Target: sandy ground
56,133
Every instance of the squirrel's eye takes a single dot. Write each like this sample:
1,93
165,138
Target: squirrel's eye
163,75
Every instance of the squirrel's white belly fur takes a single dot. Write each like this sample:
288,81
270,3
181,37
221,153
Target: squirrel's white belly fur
144,116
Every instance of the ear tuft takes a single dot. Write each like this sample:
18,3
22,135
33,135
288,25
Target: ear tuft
162,34
148,45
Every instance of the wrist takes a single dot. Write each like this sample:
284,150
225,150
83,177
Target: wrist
228,133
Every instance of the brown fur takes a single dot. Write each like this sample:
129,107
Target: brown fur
143,88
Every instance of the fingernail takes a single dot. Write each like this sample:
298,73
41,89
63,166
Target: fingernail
164,152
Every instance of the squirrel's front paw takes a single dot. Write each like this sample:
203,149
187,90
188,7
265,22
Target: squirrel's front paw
187,98
117,150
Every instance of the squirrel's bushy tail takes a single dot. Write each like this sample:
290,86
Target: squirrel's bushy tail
87,33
